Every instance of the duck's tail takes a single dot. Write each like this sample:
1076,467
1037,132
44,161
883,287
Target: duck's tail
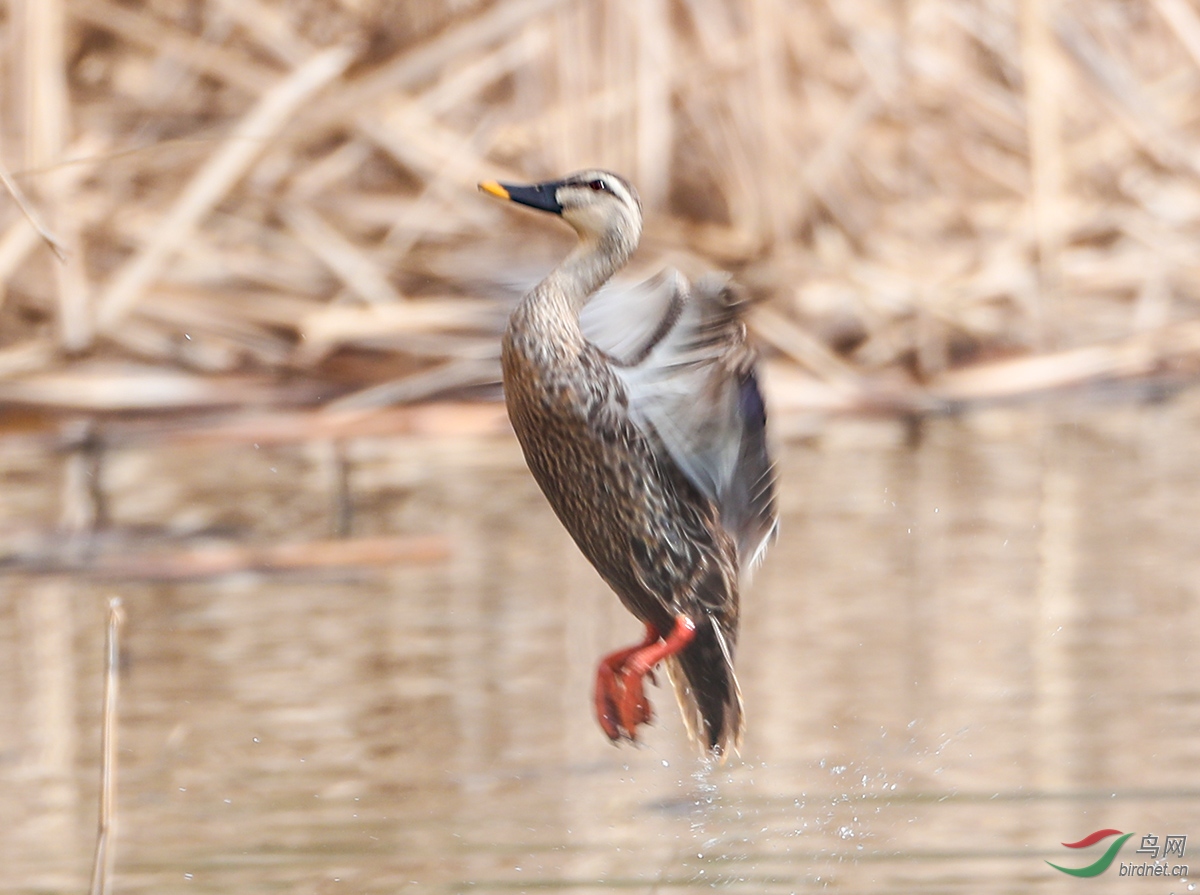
707,688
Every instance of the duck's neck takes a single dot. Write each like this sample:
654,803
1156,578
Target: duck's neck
550,313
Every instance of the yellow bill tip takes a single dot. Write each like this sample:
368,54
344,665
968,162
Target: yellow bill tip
490,186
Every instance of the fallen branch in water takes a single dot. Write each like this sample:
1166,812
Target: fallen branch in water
52,557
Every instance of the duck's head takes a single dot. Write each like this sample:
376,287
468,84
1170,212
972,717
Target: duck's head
598,204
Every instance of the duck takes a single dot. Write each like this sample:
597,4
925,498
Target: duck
640,416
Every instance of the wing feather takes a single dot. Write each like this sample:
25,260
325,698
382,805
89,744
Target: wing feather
689,371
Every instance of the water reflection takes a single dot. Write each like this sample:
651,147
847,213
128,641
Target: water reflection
974,641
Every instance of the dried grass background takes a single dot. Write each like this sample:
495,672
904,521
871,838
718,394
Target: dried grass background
272,205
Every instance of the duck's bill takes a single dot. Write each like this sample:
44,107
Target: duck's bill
540,195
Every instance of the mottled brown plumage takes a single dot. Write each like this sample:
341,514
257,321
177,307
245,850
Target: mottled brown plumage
648,439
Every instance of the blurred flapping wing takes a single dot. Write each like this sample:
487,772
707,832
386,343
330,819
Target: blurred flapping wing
689,371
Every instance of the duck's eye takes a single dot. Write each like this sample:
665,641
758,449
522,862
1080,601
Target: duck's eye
598,185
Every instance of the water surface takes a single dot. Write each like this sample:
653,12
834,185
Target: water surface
974,640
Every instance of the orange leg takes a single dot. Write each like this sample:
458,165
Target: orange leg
633,708
621,703
607,688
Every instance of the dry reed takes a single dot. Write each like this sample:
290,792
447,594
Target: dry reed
106,831
272,205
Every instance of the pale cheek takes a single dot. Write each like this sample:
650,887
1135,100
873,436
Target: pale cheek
588,218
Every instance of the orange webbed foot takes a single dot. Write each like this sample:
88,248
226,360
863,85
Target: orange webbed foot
610,687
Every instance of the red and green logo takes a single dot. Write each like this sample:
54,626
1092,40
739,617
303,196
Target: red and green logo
1103,862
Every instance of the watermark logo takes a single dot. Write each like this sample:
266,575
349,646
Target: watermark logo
1170,847
1103,862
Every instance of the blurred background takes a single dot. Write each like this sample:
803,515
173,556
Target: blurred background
250,303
